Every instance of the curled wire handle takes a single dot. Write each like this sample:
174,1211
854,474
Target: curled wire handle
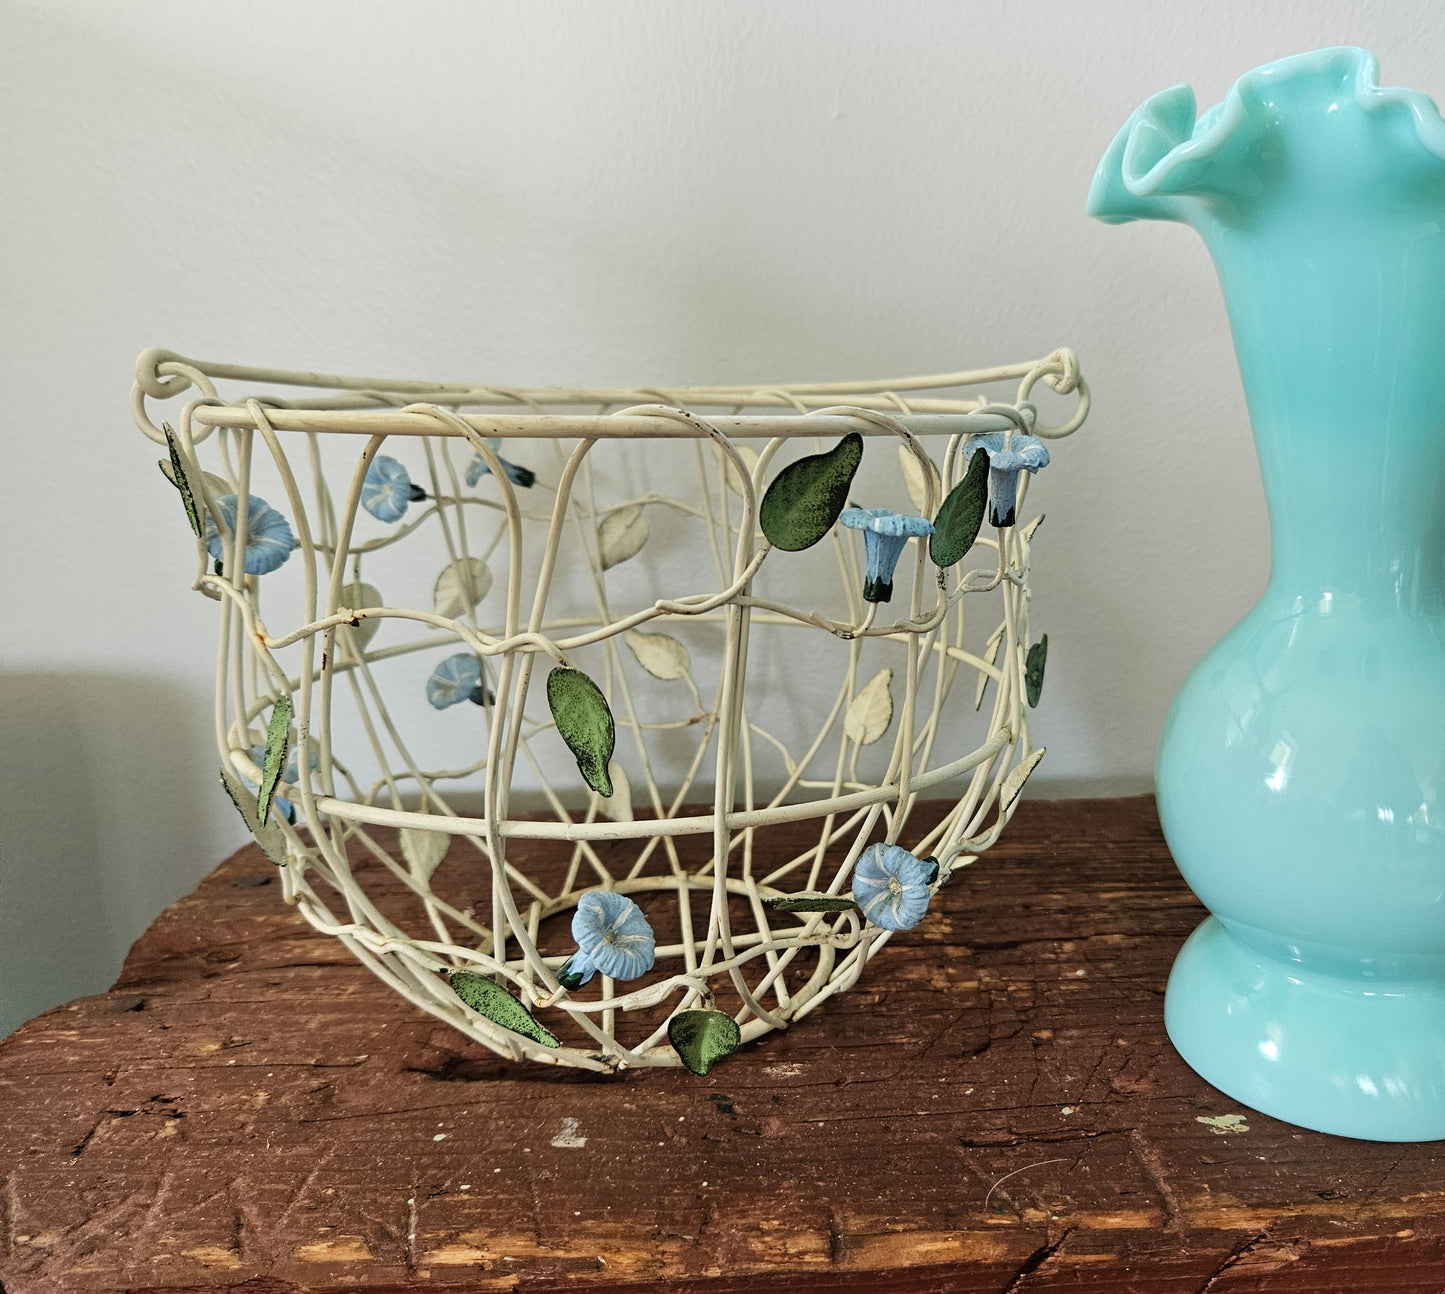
1060,373
163,375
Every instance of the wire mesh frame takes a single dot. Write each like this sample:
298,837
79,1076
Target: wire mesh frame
773,969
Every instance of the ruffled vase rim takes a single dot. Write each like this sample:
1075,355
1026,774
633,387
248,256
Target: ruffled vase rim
1158,153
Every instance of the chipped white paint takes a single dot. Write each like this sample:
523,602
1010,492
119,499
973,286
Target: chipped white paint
789,1069
568,1138
1223,1124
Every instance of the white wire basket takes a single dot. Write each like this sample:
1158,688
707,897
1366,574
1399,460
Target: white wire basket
531,695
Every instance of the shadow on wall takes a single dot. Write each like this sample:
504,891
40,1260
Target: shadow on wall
102,823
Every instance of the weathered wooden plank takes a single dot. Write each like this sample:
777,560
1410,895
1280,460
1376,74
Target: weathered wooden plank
994,1107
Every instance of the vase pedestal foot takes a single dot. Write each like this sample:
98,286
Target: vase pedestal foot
1356,1057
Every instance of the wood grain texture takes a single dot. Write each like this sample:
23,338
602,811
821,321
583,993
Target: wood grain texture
994,1108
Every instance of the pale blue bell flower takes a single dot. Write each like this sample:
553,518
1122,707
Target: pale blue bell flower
885,535
269,541
458,678
388,489
612,937
1009,453
477,468
891,885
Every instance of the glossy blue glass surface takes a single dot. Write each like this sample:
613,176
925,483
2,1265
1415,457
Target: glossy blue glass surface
1300,769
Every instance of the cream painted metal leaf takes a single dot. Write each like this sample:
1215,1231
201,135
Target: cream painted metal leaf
358,597
750,461
424,850
660,655
269,837
218,484
1018,775
618,805
621,535
460,586
871,711
990,654
915,480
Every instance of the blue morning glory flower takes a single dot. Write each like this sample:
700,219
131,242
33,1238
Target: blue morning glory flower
477,468
891,886
269,540
388,490
885,534
458,678
1009,453
612,937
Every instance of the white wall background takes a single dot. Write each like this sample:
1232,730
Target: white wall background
573,193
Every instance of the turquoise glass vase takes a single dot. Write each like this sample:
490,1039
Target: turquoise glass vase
1301,769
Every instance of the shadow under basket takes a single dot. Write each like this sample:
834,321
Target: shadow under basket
487,654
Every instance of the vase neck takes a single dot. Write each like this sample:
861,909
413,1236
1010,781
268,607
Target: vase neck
1357,514
1339,328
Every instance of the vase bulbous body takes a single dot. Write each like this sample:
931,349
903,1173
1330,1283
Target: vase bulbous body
1301,769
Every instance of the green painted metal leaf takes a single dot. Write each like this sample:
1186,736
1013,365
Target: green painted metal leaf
961,517
932,864
805,498
278,734
584,721
269,837
1034,669
810,903
702,1038
177,477
490,999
